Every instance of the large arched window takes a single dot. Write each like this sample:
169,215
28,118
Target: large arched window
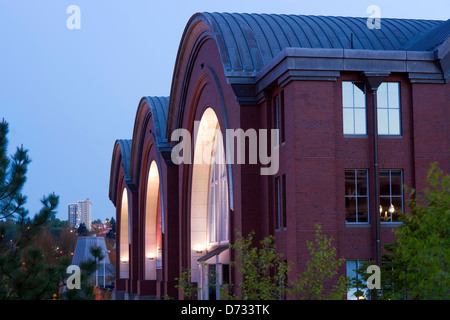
124,237
209,209
152,223
218,195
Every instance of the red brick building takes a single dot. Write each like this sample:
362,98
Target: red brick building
341,162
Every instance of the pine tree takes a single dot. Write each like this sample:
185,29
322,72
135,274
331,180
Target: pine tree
23,271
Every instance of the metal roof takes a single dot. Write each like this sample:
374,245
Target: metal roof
125,151
158,108
251,41
432,39
83,253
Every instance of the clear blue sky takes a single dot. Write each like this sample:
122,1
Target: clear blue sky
69,94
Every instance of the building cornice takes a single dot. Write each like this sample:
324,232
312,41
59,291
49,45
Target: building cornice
296,64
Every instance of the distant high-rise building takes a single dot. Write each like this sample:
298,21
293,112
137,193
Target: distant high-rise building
72,211
80,212
84,211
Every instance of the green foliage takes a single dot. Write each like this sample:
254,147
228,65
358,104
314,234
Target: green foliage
264,273
185,285
322,268
87,269
24,273
263,270
82,230
416,264
12,177
112,233
422,247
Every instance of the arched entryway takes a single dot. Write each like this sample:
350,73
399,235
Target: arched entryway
209,209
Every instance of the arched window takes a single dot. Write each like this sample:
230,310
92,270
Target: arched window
218,195
152,223
124,236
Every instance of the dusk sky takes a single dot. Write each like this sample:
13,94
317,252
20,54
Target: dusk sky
69,94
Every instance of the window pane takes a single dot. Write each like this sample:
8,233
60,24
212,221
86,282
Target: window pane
361,182
354,107
359,96
212,215
360,121
384,183
348,121
351,268
396,208
382,95
363,209
385,204
393,91
347,94
396,182
394,121
383,126
350,209
349,182
278,186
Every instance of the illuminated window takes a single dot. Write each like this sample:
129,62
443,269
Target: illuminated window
391,195
218,195
356,196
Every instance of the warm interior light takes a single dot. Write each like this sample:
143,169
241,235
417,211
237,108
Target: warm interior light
151,256
198,248
391,209
124,260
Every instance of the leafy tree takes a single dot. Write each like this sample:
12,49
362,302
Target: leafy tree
264,273
263,270
185,285
321,269
417,262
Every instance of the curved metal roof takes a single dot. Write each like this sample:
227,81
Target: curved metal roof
251,41
121,150
125,152
158,108
432,39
